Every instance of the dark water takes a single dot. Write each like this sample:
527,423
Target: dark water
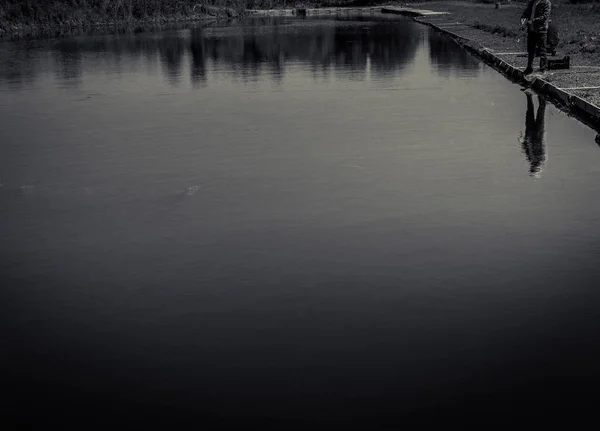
298,223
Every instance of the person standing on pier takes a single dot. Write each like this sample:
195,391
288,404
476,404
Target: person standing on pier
537,18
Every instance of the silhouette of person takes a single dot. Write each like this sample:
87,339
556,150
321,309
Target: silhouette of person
533,141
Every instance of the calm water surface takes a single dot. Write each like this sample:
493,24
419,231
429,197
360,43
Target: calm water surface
292,221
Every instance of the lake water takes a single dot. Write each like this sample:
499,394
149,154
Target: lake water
292,222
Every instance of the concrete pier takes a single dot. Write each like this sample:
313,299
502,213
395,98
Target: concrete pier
315,11
410,11
346,10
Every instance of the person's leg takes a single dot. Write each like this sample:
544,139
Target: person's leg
541,39
541,115
529,128
538,152
531,44
529,116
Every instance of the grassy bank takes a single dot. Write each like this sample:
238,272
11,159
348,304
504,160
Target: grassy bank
36,17
577,23
33,18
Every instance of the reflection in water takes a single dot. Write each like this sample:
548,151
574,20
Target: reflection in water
198,56
68,59
344,44
389,47
331,253
450,58
347,46
533,140
18,64
172,51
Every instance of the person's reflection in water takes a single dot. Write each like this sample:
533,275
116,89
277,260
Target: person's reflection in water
533,141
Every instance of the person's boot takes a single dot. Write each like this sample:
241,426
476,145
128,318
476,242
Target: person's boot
528,70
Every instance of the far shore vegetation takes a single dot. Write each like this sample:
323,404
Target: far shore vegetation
33,18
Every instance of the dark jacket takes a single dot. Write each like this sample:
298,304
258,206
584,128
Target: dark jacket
541,14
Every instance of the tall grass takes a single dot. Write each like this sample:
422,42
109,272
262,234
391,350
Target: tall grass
60,13
76,12
19,10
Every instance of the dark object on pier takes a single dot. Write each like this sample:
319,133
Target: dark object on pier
301,12
559,63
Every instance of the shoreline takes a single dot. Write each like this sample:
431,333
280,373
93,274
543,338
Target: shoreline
584,111
74,22
575,91
32,32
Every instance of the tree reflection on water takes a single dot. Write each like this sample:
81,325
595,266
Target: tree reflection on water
343,45
448,58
